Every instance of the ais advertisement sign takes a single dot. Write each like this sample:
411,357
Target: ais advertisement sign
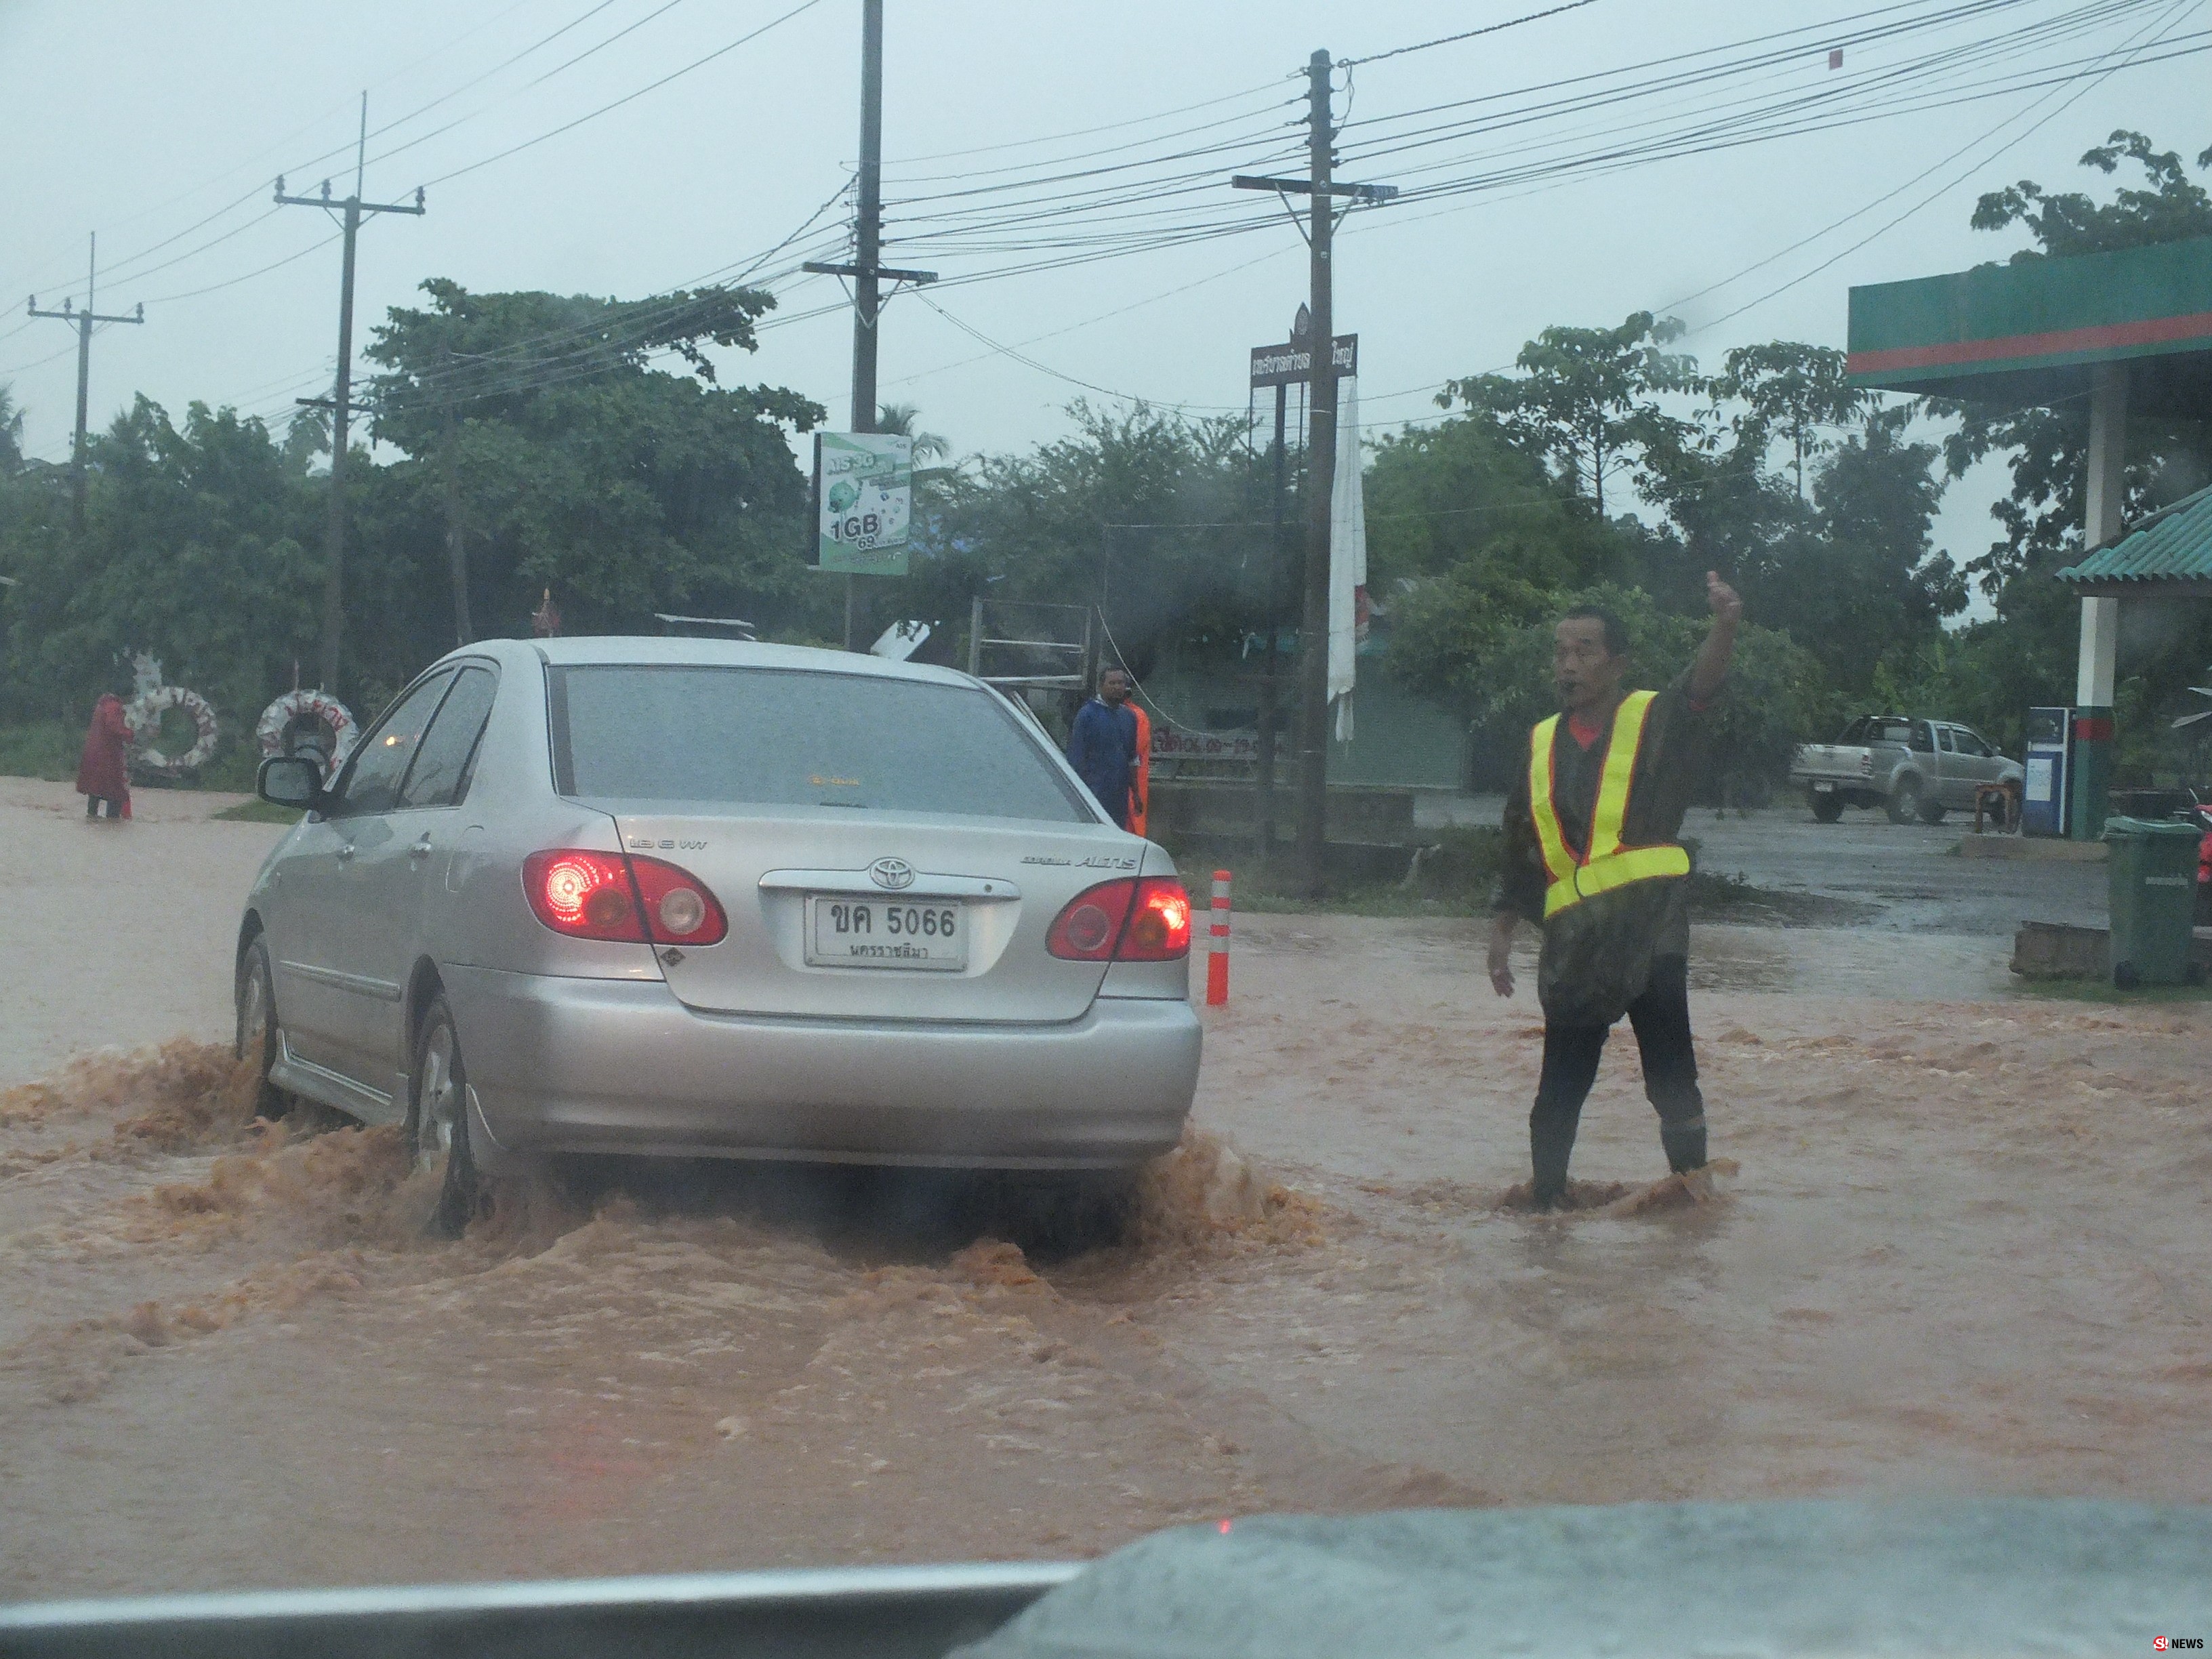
863,502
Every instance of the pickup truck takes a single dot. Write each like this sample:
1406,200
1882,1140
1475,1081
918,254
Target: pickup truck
1912,768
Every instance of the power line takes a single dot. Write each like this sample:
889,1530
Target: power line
1104,316
254,194
2184,8
673,75
2188,7
1466,34
1083,132
84,322
1028,362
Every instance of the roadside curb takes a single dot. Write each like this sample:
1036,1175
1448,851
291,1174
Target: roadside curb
2036,850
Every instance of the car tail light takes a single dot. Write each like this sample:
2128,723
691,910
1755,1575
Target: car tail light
678,906
1137,918
634,901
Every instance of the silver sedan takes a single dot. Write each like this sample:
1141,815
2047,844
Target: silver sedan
687,897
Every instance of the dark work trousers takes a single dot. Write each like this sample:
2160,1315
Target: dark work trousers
1660,1017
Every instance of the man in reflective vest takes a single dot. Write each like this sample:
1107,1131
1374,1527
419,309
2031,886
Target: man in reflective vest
1591,855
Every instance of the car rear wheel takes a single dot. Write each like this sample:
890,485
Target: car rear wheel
1904,801
1827,808
256,1025
438,1121
1066,1214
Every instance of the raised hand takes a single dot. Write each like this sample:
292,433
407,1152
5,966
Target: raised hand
1725,602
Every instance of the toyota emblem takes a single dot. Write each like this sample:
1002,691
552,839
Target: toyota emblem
893,873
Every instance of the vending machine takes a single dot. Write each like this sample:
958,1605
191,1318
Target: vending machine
2049,759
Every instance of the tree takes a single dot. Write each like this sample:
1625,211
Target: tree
625,489
1788,390
203,545
1586,397
11,433
1456,645
1726,511
2173,208
1866,590
1464,494
1153,516
900,420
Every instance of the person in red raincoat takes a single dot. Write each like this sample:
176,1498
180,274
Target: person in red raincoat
102,775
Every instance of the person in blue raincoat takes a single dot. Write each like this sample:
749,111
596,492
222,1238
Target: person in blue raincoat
1102,745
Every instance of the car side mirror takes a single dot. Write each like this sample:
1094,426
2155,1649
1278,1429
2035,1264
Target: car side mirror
290,781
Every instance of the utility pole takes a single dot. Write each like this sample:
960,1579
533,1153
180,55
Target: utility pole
457,552
83,321
867,269
340,404
1270,684
1320,458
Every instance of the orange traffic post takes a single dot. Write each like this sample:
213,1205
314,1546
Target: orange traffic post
1217,957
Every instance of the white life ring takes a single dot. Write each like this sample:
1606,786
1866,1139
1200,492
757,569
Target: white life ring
281,722
144,716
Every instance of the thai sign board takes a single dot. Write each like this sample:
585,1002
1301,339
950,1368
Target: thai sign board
863,502
1292,363
1171,743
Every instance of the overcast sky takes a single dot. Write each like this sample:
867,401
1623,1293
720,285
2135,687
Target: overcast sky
141,121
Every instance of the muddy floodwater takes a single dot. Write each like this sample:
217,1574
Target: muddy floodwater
1958,1247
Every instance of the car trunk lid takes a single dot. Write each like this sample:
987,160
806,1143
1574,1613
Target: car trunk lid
1008,880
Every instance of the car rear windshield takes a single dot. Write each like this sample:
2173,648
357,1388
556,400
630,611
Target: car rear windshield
769,737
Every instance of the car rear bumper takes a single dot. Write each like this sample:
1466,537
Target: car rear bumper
562,1065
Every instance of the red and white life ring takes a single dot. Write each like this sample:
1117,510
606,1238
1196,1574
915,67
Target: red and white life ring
144,716
279,728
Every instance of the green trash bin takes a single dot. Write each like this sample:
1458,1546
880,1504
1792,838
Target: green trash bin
2153,876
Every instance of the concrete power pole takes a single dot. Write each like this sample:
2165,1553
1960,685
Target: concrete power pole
83,321
341,400
866,269
1320,488
1321,187
457,551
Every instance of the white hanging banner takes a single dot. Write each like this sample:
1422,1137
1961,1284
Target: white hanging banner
1347,559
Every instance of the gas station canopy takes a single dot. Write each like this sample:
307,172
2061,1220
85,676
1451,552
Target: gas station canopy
2032,332
2120,334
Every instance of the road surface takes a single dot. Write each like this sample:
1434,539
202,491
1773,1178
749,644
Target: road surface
1962,1253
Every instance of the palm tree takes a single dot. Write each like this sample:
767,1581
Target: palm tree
898,419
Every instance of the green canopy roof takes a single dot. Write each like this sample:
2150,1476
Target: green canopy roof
2169,553
2029,332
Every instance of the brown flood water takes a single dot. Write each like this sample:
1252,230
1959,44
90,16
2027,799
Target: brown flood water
1960,1249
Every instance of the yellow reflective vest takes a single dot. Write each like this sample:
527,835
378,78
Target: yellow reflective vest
1605,864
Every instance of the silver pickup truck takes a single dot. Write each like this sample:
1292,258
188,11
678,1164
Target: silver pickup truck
1912,768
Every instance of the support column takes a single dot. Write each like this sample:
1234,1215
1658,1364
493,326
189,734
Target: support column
2091,773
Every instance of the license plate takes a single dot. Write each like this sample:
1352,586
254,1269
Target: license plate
1823,786
929,934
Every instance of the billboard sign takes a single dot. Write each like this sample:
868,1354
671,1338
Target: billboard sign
863,502
1292,363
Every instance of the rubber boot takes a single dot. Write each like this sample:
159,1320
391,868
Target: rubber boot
1685,1142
